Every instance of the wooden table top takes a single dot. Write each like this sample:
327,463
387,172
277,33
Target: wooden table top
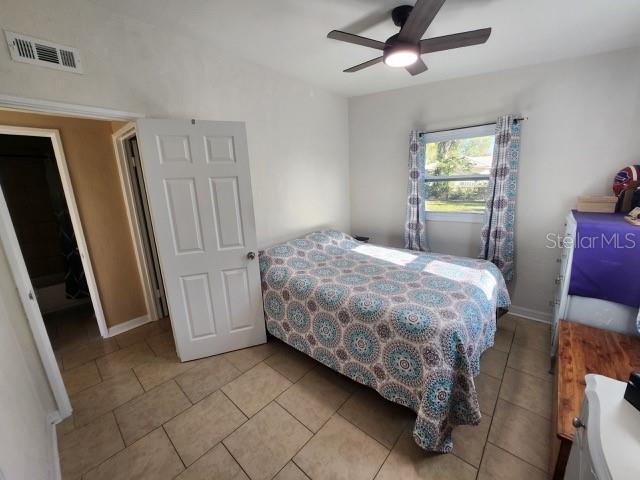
582,350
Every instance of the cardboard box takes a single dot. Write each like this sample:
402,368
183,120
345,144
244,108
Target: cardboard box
597,203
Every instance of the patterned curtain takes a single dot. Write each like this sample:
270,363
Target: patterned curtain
415,235
500,211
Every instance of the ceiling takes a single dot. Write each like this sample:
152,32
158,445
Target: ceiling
289,36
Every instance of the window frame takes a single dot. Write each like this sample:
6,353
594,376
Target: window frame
456,134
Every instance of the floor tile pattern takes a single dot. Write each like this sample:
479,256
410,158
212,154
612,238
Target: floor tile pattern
270,412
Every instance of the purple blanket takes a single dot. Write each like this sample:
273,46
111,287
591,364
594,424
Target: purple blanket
606,258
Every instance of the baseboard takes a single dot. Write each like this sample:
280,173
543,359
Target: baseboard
531,314
128,325
53,419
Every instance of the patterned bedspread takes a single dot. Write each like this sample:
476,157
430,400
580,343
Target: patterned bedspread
410,325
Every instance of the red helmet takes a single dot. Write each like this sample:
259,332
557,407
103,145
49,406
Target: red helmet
626,178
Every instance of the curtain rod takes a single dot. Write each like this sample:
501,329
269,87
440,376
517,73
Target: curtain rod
516,120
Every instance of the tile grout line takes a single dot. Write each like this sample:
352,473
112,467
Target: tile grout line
390,450
529,411
66,369
522,373
174,379
548,474
231,454
125,447
164,430
203,398
169,379
275,400
85,344
114,454
112,412
235,405
238,427
528,374
230,433
293,463
85,388
137,380
221,442
484,447
313,434
493,416
119,431
337,412
157,426
153,429
477,469
511,403
98,370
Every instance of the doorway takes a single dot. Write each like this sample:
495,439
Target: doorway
215,300
140,207
35,198
44,242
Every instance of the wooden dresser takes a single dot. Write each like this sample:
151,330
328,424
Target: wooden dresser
581,350
590,311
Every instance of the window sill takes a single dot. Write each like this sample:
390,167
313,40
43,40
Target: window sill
460,217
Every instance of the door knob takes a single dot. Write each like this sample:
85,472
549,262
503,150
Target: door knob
577,422
251,255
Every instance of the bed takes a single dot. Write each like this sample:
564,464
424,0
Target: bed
410,325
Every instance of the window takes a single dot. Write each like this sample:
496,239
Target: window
457,164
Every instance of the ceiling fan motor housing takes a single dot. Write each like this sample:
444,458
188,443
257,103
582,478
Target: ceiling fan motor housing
400,14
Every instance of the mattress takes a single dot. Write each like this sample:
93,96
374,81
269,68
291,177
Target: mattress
410,325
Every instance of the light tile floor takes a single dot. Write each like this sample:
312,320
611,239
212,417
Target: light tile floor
271,412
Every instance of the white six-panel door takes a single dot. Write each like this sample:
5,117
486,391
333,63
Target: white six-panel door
199,188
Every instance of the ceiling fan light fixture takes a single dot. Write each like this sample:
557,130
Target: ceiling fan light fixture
405,47
401,56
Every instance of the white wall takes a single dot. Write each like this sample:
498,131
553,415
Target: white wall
298,146
25,399
584,125
298,134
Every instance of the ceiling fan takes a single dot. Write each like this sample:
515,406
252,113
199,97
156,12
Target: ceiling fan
405,47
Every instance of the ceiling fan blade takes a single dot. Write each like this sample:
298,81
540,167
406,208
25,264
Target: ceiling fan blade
457,40
360,66
419,20
417,68
368,21
357,39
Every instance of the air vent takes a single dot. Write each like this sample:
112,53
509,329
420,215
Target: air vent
25,49
67,58
36,51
